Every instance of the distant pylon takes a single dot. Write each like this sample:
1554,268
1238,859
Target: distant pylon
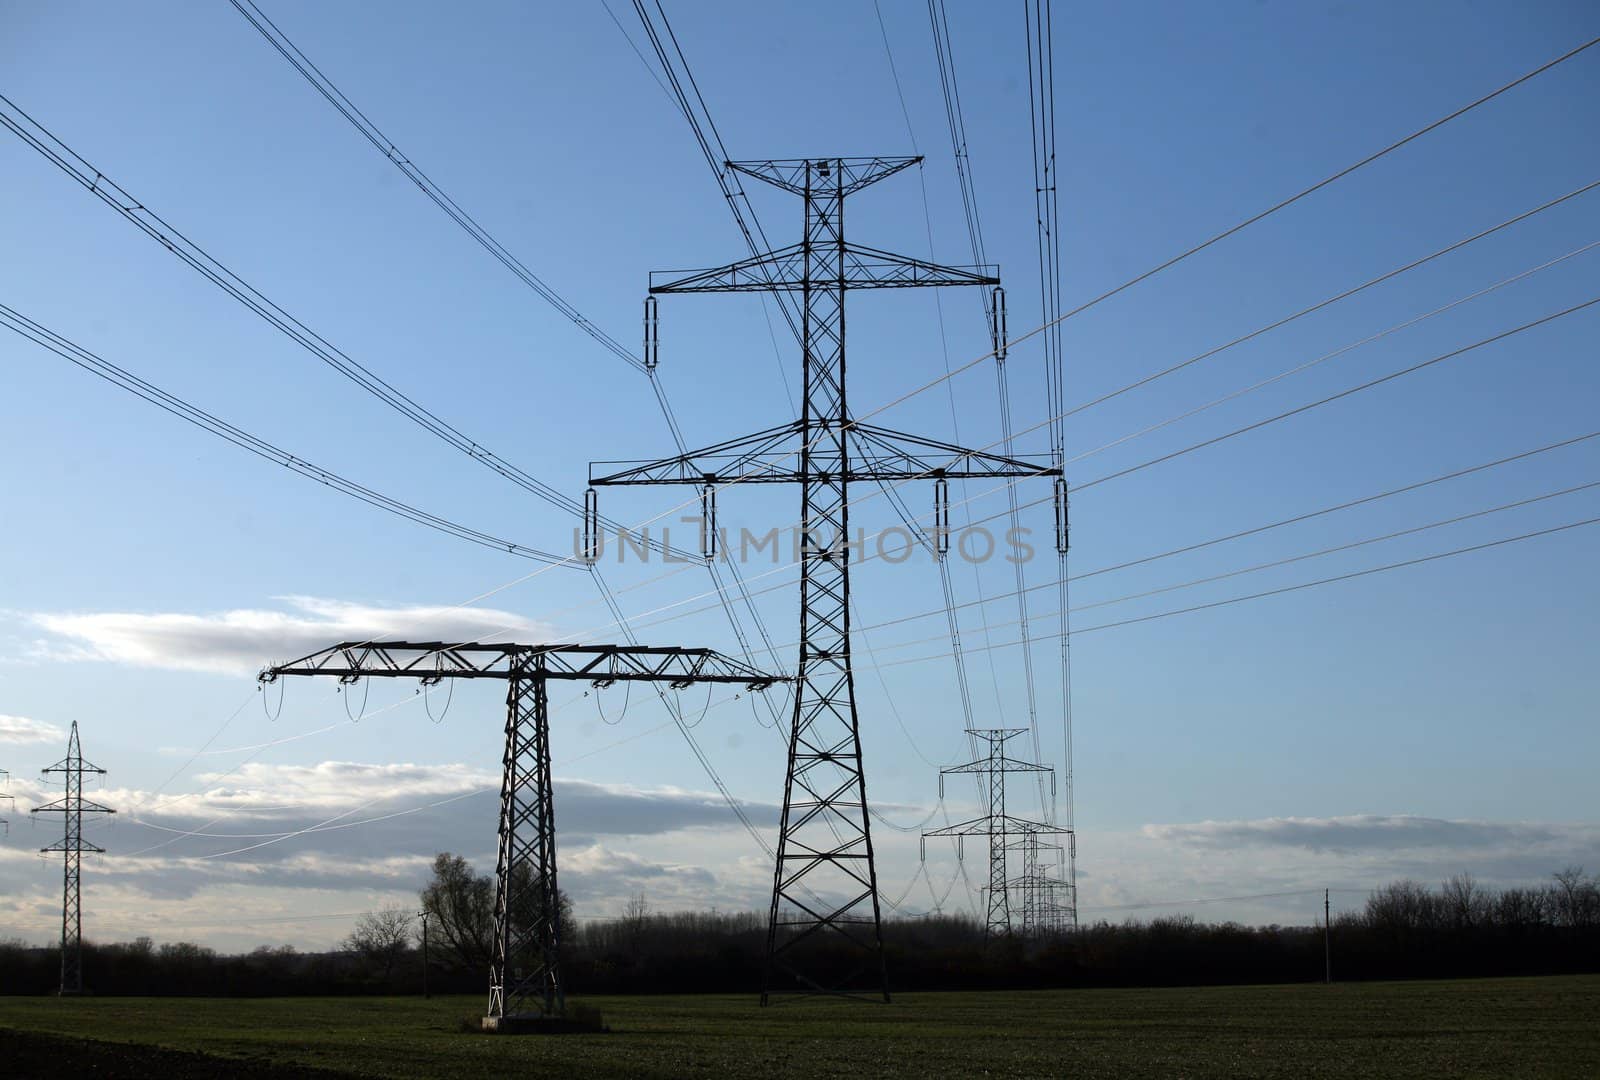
1046,907
998,825
72,806
5,797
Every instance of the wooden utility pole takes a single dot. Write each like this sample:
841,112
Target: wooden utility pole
1327,944
423,915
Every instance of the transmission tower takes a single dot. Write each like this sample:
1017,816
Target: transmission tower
998,825
1046,910
5,797
72,806
525,971
824,928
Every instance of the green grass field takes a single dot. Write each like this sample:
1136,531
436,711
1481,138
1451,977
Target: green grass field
1483,1028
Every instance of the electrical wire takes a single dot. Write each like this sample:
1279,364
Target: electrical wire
1274,563
1369,384
1291,588
124,379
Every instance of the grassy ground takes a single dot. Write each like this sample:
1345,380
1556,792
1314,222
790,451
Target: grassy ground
1484,1028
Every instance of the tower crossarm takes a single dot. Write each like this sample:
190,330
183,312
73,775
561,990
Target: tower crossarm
605,664
999,764
999,824
773,456
766,457
896,455
853,173
67,806
786,269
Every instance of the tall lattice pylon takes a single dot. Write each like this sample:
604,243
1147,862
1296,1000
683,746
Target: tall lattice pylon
999,826
72,806
824,928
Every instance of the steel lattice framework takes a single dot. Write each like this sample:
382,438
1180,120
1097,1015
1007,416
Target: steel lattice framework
72,806
525,969
1047,910
998,825
825,925
5,797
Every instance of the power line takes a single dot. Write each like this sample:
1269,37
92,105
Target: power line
1369,384
1341,174
955,121
384,145
183,410
1319,305
1256,530
1340,351
1181,256
1290,588
952,619
113,195
1271,564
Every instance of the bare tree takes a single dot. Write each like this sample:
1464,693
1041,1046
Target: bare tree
634,914
381,937
1577,898
1465,904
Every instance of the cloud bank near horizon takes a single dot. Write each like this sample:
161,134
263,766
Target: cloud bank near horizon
272,842
243,640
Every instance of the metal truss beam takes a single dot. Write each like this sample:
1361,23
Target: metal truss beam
847,175
434,660
785,270
772,457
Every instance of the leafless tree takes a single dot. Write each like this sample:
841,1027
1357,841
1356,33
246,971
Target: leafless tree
1577,898
381,937
1465,904
634,915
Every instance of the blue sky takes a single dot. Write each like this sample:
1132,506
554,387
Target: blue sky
146,569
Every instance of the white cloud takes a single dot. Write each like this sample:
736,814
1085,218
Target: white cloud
21,729
244,640
1361,833
353,825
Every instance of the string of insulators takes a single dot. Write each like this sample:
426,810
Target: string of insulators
997,324
941,516
652,334
591,526
1063,526
708,521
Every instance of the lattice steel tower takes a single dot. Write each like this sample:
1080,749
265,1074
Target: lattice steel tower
998,825
824,929
72,806
5,797
525,967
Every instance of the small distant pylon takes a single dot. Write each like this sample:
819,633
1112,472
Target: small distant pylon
72,806
1046,899
998,825
5,797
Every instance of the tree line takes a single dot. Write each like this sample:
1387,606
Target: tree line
1405,930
